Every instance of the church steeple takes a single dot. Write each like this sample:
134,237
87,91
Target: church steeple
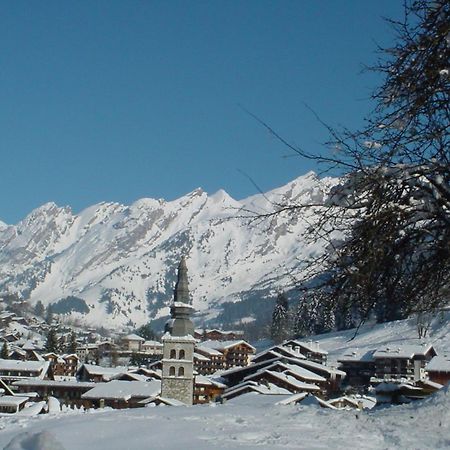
181,309
178,344
181,293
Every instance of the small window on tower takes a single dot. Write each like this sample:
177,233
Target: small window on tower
182,354
172,371
181,371
173,354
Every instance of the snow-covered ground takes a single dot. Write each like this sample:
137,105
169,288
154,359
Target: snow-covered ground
397,333
251,422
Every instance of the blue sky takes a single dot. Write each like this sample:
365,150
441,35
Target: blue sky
119,100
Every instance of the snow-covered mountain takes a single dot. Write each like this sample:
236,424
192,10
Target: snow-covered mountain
121,260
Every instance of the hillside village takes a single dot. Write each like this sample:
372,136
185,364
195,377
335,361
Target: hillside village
128,371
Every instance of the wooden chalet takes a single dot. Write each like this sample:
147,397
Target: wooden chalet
359,367
97,374
62,365
11,404
67,392
402,362
218,335
310,350
121,394
235,353
14,370
438,369
207,390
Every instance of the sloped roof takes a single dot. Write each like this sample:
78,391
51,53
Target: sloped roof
402,351
124,390
440,363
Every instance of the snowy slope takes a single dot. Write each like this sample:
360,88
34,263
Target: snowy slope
121,260
251,422
392,334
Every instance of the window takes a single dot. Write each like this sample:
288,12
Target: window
173,354
172,371
181,371
182,354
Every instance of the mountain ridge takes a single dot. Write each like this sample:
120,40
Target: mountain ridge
121,259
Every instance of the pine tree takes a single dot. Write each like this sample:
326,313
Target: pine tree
49,314
51,344
39,309
72,347
146,332
4,353
280,329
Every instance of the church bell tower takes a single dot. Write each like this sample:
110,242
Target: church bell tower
178,344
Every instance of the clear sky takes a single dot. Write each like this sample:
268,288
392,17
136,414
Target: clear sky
119,100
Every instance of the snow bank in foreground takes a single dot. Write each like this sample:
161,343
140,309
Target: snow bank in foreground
254,422
38,441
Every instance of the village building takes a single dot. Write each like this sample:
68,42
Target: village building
207,390
152,348
11,404
67,392
359,367
218,335
98,374
311,350
119,394
438,369
132,343
235,353
178,344
62,365
402,362
13,370
208,360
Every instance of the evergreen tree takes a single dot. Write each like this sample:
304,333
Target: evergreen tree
146,332
49,314
72,347
4,353
39,309
51,343
280,329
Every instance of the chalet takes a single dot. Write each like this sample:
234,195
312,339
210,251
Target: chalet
122,394
207,390
235,353
277,351
249,386
310,350
359,367
208,360
11,404
332,376
97,374
403,362
306,399
438,369
87,353
218,335
62,365
154,348
12,370
132,343
353,402
67,392
282,380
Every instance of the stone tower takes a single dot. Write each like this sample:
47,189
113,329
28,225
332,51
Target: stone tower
178,344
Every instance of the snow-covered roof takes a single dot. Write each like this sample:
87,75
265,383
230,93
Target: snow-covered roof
356,355
289,379
204,380
124,390
24,366
10,400
309,346
100,370
223,345
133,337
297,370
402,351
440,363
54,383
306,399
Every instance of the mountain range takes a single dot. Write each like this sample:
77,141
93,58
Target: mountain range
115,265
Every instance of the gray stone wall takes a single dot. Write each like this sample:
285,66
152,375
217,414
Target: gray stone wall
181,389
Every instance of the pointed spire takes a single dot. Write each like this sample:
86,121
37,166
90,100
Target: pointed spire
181,293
